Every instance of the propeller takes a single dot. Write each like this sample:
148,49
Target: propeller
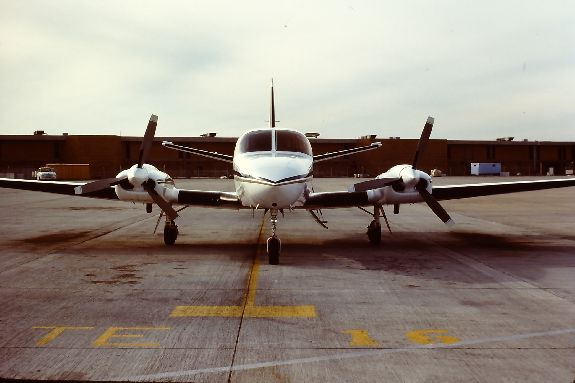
421,185
98,185
409,178
144,151
439,211
149,186
136,175
148,140
378,183
422,143
375,183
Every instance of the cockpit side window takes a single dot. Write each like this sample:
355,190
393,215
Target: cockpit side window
257,141
287,141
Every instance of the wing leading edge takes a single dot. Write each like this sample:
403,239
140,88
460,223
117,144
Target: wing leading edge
184,197
56,187
442,193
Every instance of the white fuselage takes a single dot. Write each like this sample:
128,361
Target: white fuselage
272,179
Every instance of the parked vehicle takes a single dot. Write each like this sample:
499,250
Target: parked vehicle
45,173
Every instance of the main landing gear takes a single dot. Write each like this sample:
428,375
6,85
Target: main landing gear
274,244
374,228
170,232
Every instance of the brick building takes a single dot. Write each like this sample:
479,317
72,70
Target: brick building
107,155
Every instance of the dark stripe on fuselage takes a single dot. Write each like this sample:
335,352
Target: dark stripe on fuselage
283,180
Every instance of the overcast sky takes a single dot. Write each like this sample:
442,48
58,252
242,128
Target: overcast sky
483,69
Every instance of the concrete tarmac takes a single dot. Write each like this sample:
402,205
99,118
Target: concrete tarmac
87,292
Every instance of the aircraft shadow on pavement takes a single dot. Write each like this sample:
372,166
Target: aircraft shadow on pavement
427,255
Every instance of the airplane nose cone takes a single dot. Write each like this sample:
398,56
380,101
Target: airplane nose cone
274,182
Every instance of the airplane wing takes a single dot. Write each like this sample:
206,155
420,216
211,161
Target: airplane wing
336,200
341,199
209,199
442,193
346,152
56,187
199,152
183,196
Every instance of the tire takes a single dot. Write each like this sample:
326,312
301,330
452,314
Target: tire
274,248
170,235
374,233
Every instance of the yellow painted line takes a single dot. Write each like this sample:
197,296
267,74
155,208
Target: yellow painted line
280,311
104,340
360,338
248,307
56,331
207,311
430,336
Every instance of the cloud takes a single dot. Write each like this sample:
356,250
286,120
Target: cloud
341,68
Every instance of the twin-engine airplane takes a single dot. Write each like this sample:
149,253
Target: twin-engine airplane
273,169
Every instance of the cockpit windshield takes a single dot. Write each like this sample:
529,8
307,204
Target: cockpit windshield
289,141
285,141
256,141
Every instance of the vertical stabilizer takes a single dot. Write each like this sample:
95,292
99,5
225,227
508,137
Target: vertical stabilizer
272,109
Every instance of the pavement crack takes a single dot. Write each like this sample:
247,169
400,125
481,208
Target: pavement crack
248,296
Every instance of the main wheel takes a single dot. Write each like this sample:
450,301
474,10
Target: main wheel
374,233
274,247
170,234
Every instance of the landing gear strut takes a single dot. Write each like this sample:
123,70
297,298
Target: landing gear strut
170,233
374,228
274,244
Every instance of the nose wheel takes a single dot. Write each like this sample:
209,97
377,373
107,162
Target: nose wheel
274,244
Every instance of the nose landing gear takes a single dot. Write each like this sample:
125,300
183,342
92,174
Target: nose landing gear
273,243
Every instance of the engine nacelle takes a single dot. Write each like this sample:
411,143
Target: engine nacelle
403,190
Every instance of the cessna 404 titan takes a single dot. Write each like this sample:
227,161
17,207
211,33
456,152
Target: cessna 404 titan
273,169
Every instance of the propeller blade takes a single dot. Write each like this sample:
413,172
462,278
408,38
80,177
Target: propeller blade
434,205
98,185
148,140
375,183
162,203
423,140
